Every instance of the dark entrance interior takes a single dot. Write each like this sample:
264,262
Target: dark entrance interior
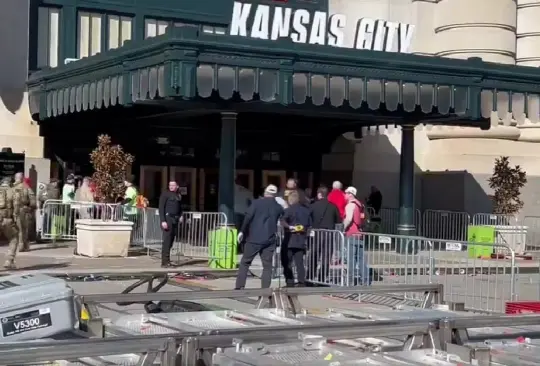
183,147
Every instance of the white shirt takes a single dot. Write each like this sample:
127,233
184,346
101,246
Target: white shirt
242,199
67,191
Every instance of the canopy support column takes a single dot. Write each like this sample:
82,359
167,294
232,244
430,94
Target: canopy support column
406,182
227,165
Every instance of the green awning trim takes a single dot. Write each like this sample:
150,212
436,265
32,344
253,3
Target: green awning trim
185,64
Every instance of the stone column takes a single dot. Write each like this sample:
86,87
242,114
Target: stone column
406,182
227,165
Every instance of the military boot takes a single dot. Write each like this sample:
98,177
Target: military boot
9,264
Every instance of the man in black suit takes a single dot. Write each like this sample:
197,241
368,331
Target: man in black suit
259,230
170,216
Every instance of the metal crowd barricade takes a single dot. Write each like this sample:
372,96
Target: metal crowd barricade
205,235
447,225
58,218
487,219
532,239
478,281
323,260
386,221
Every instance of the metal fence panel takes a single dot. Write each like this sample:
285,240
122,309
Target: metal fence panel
324,257
58,218
481,283
446,225
198,229
532,240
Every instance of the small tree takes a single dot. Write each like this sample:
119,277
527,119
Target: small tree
506,183
110,164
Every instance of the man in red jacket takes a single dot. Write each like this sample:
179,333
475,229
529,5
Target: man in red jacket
337,197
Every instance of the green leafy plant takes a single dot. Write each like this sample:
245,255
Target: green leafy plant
110,164
507,182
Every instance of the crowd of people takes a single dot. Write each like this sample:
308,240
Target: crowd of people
304,221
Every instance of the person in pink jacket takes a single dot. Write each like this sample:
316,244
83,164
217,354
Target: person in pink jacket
356,264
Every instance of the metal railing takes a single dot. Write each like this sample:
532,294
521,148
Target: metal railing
187,348
57,222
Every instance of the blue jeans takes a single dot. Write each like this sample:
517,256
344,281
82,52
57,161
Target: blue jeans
355,263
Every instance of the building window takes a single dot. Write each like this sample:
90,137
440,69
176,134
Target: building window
89,33
154,27
48,31
213,30
119,31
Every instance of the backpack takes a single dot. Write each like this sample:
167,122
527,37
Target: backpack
3,199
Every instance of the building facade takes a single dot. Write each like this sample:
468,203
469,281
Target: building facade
456,160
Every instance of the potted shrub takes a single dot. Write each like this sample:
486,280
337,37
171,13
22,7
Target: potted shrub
106,235
506,183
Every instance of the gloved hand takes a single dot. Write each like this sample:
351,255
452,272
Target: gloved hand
240,237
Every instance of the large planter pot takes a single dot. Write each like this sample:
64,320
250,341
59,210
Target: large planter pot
513,237
98,238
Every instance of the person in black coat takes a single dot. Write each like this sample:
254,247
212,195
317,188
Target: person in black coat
170,216
296,223
325,216
259,230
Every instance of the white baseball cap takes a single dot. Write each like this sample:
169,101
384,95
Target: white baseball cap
351,190
271,189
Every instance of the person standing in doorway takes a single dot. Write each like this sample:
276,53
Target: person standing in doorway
292,186
84,195
375,200
67,226
51,192
130,201
325,216
26,200
259,229
337,197
170,216
357,268
296,222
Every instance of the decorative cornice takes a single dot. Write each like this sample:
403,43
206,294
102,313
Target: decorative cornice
501,26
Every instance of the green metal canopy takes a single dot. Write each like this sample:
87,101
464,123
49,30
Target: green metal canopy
235,73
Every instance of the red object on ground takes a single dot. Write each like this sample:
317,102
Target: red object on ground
522,307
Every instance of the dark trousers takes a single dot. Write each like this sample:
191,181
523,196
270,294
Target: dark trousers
251,250
288,257
168,240
320,253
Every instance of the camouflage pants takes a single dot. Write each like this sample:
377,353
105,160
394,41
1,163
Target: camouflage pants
22,227
9,229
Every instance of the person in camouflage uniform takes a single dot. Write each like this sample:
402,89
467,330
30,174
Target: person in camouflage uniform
25,199
7,220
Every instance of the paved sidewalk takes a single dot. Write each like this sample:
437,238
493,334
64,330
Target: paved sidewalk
60,258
